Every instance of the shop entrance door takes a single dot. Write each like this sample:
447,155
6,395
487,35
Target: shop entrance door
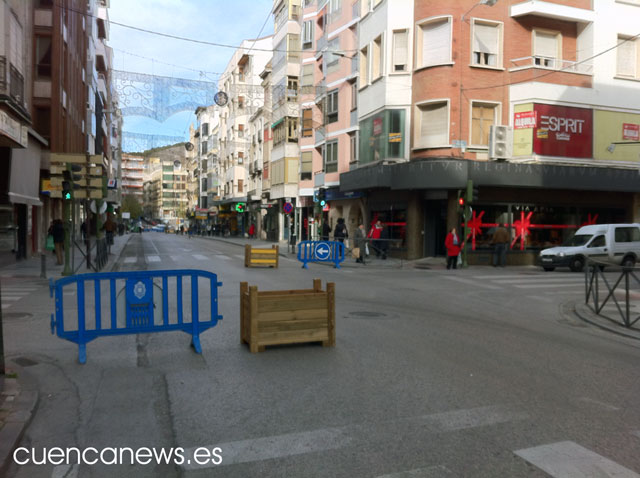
435,228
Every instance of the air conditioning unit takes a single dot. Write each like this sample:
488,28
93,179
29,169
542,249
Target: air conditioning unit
500,142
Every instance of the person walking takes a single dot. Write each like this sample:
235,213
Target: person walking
453,245
252,230
360,242
57,231
326,230
374,235
500,241
340,233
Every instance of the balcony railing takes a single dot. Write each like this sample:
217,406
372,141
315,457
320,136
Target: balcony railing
3,73
548,63
16,85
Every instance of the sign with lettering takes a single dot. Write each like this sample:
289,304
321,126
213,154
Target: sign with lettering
631,131
524,120
563,131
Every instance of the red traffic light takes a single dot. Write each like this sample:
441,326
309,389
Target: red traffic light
461,201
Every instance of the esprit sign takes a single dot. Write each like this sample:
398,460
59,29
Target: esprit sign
563,131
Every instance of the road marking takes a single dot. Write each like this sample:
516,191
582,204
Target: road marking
200,257
130,260
569,460
18,289
11,298
473,282
539,279
429,472
239,256
504,276
280,446
154,259
266,448
604,405
538,286
220,256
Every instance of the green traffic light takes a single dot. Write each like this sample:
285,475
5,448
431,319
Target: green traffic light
67,195
323,202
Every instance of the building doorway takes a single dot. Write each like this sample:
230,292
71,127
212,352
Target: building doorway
435,227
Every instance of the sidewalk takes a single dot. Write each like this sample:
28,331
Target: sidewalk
18,397
349,262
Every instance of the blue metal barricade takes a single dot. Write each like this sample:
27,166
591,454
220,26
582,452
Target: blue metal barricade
321,251
139,303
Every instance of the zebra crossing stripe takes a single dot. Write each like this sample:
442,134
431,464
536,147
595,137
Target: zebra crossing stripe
130,260
569,460
200,257
153,259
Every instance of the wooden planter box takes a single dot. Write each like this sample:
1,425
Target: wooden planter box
260,257
287,316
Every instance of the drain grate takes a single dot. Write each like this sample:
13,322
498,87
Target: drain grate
25,362
366,314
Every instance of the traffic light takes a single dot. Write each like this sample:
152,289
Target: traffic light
474,195
461,201
322,194
69,180
241,207
66,185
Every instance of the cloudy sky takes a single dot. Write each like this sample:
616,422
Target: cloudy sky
218,21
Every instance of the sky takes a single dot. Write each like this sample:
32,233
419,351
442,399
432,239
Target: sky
218,21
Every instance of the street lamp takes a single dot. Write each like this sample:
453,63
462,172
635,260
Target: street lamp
489,3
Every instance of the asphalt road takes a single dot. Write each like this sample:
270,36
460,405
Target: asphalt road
477,372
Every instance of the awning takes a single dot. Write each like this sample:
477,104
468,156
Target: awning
25,175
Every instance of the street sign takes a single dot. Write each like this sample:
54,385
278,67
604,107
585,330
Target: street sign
322,251
287,208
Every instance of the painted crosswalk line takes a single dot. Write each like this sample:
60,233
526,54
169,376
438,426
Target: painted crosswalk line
130,260
569,460
154,259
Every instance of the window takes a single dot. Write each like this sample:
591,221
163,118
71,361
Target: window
486,44
483,115
353,147
292,89
364,67
627,59
333,60
306,165
307,35
204,148
368,6
331,157
43,56
205,129
240,102
627,234
434,42
377,59
240,181
332,106
354,96
307,79
334,10
16,45
432,128
599,241
307,123
546,48
292,130
400,50
240,157
240,131
293,47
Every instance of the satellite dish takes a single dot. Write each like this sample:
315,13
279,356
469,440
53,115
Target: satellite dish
188,146
221,98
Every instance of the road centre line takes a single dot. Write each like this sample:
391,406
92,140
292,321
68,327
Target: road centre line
280,446
473,282
569,460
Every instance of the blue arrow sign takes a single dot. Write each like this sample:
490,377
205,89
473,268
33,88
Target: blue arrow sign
322,251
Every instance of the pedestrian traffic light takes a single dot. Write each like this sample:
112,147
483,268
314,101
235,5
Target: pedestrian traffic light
69,180
474,195
322,194
241,207
460,201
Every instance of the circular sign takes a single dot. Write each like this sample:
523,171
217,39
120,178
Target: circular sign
322,251
221,98
287,208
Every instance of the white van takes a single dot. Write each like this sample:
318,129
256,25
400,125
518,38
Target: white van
613,243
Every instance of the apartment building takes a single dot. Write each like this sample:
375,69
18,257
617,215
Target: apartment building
133,175
240,83
558,79
206,148
329,115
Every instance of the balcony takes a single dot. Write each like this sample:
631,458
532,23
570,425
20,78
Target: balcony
101,57
555,11
103,23
551,64
321,43
16,85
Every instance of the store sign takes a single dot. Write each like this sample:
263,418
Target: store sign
524,120
13,129
631,131
377,126
563,131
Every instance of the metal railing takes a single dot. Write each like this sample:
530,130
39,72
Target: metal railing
538,61
621,280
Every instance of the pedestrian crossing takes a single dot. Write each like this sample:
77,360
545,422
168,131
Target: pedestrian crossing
554,284
179,259
11,295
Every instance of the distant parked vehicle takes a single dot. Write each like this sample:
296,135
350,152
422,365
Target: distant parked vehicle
617,244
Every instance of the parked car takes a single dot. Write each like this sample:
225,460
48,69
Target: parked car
617,244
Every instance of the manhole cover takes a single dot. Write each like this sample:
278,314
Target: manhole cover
25,362
366,313
16,315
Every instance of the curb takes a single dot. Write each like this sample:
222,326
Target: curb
604,323
23,403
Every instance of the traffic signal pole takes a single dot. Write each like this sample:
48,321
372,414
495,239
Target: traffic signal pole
66,217
466,215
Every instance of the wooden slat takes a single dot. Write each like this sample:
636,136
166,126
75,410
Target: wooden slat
284,315
267,252
297,302
298,324
262,261
292,337
268,293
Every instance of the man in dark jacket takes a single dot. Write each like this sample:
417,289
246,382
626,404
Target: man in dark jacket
500,241
326,230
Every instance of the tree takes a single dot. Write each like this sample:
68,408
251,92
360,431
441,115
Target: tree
132,205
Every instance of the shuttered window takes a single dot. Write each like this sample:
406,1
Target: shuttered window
546,49
400,50
482,117
627,58
433,129
486,44
436,42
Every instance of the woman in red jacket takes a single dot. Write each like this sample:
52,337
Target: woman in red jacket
453,245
